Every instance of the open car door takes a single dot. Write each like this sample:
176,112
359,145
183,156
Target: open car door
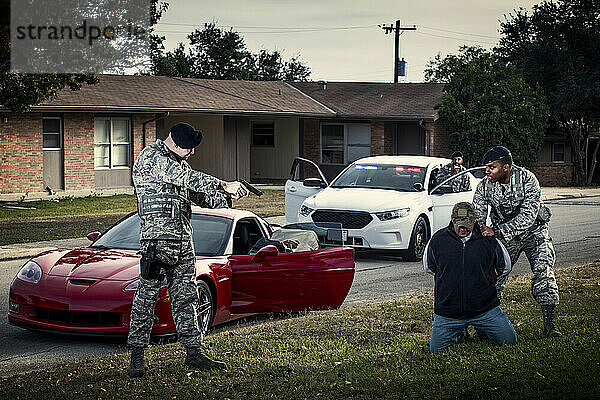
443,199
270,281
299,187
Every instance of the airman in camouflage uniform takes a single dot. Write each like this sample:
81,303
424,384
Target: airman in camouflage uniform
165,185
520,221
459,184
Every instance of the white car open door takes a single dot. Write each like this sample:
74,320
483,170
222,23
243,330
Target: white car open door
301,185
444,200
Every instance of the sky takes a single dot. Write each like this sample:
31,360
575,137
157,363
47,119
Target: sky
340,40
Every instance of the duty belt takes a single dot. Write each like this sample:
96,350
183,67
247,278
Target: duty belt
164,204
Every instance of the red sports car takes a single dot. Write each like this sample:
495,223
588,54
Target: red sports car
243,266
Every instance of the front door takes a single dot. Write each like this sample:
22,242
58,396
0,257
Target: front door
443,200
296,190
52,154
291,282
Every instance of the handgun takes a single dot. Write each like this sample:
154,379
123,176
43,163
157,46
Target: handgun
250,188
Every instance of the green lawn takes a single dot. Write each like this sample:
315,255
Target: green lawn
34,221
373,351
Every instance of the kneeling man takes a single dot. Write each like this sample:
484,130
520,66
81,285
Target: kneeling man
466,265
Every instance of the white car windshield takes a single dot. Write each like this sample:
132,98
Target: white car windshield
382,176
210,234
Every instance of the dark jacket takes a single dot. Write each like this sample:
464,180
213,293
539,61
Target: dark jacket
465,273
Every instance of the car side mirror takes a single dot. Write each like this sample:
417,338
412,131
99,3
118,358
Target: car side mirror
314,182
267,251
92,236
418,186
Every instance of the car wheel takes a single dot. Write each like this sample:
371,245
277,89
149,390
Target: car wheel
206,312
418,241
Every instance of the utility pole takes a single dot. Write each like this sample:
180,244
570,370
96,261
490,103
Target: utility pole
397,32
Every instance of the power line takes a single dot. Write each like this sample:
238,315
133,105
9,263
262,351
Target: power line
460,33
454,38
276,29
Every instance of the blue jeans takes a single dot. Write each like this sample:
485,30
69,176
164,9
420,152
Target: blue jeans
494,323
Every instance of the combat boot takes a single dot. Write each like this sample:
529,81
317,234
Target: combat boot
197,359
136,367
550,329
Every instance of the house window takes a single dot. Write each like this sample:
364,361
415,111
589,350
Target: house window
358,141
263,134
51,130
111,142
344,143
558,152
332,144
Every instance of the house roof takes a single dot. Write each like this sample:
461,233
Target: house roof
377,100
161,93
144,93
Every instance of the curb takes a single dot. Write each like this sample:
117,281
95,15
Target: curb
24,250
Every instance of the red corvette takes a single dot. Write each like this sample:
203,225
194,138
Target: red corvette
89,290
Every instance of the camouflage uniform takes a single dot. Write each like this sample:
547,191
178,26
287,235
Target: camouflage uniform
521,220
460,184
164,185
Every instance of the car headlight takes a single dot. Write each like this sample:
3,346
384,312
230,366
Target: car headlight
306,211
30,272
387,215
132,287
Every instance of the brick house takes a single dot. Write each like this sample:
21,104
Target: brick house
88,139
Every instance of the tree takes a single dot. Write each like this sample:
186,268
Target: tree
486,103
215,53
557,47
19,92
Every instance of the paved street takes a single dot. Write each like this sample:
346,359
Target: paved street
575,229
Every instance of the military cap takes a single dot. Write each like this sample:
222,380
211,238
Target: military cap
495,153
457,154
185,136
463,214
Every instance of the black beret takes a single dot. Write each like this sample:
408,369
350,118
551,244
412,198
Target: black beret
457,154
495,153
185,136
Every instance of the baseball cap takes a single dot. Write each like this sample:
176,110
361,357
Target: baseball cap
185,136
495,153
463,214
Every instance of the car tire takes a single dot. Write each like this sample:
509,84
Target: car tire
418,241
206,312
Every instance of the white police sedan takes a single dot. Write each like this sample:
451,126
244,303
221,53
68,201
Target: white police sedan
382,202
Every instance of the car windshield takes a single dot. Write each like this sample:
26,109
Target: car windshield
210,234
382,176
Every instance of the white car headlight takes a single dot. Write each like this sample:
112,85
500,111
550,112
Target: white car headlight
393,214
306,211
30,272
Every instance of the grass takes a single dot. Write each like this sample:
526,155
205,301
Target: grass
34,221
374,351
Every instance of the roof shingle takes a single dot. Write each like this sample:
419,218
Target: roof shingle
161,93
384,100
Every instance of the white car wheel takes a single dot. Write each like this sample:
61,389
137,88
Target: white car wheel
418,241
